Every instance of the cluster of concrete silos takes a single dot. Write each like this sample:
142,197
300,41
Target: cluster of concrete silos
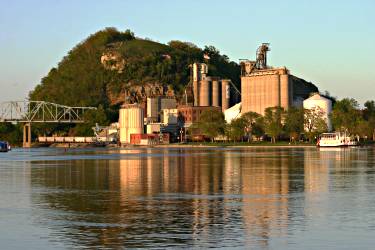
210,91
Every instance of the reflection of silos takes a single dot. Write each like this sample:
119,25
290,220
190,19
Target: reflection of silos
130,121
225,94
216,93
205,92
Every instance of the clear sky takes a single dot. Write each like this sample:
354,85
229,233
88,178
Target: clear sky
331,43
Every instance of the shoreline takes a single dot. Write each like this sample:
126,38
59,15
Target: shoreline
173,145
188,145
231,146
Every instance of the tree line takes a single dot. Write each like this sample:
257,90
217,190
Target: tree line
292,124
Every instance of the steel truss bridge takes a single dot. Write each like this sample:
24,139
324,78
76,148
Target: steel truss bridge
28,112
40,112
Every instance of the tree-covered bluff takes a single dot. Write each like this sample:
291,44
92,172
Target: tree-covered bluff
111,66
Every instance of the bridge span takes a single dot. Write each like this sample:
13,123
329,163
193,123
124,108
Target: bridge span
28,112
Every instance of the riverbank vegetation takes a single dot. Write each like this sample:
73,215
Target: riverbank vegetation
11,133
292,125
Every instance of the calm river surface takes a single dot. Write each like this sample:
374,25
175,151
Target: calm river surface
258,198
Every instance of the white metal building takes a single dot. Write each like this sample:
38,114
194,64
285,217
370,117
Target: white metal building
316,101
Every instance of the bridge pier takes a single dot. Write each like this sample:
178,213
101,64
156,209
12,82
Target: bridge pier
27,135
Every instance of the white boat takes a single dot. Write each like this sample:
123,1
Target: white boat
336,139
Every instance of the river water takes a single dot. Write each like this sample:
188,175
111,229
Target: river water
258,198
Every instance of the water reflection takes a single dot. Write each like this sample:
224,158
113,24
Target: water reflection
189,197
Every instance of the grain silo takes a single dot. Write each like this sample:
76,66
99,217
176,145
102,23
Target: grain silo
286,88
199,75
216,93
205,92
196,79
130,121
225,94
318,103
265,88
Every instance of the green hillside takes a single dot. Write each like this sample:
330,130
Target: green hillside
82,78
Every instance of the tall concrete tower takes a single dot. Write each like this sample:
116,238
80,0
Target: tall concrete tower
199,74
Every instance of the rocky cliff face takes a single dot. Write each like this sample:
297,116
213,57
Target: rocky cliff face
115,59
132,93
112,60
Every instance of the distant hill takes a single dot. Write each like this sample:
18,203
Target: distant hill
110,66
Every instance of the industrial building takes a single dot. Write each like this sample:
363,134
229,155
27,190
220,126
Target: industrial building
187,115
169,116
153,128
161,116
263,86
155,105
318,103
149,139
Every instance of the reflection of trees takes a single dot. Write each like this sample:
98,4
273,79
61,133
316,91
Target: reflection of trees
370,177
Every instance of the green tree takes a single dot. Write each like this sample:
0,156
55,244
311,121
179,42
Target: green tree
345,115
294,121
236,129
11,133
369,116
364,129
211,123
314,122
258,127
369,111
273,117
251,121
91,117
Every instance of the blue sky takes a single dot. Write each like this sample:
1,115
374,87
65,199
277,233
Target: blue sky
331,43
